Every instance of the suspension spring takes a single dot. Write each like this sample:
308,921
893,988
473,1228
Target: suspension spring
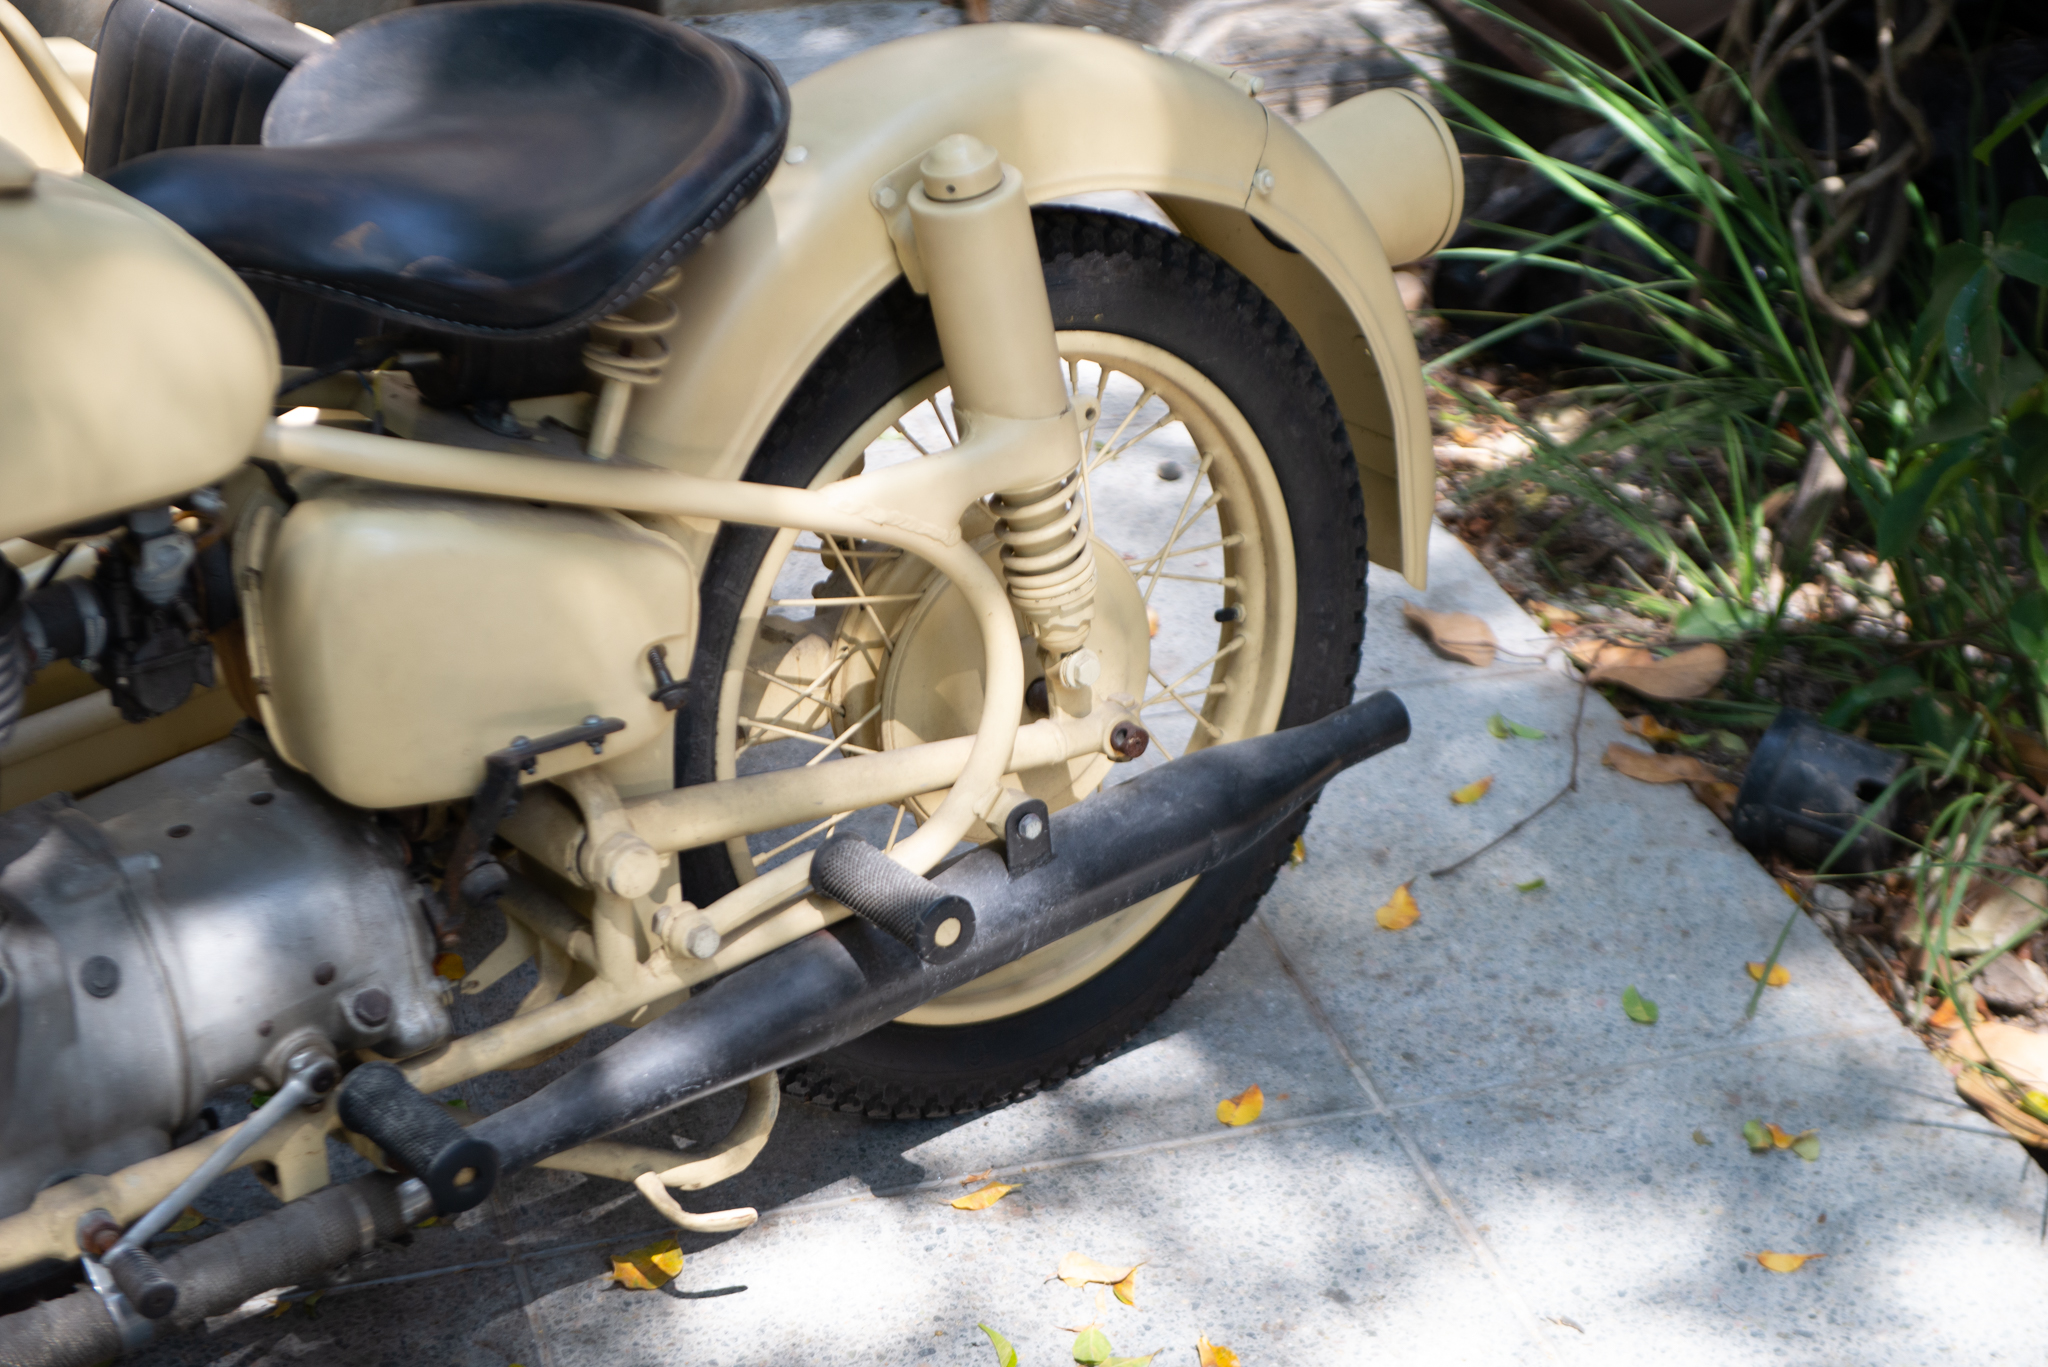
628,350
1048,562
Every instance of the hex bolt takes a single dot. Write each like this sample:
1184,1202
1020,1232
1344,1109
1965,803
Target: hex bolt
1081,669
629,865
371,1008
1031,826
687,931
323,973
1128,741
97,1232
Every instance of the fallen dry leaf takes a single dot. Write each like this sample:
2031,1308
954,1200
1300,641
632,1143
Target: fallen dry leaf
1780,975
1151,621
190,1219
450,966
981,1176
1456,635
1654,768
649,1268
1213,1354
1243,1108
1718,798
1553,616
1472,791
1651,730
1786,1262
1592,652
1298,854
1127,1289
1779,1139
984,1198
1400,912
2021,1053
1078,1269
1688,674
1943,1017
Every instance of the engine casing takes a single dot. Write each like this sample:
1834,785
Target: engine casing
183,931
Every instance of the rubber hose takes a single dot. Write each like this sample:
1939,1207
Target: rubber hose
289,1247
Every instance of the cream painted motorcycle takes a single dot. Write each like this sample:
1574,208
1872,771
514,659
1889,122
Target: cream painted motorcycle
786,571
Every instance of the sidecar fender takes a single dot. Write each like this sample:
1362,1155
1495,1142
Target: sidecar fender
1075,112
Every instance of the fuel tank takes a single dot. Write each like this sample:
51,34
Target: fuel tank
134,366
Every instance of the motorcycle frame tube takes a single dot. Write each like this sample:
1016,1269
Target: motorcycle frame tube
1073,112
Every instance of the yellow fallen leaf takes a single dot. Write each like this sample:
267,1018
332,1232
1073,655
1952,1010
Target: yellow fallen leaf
984,1197
1243,1108
1778,1137
1298,855
1151,621
1078,1269
191,1219
1458,635
1786,1262
1780,975
450,966
1718,798
1472,791
1651,730
1944,1015
981,1176
1646,767
1400,912
649,1268
1127,1289
1213,1354
1593,653
1688,674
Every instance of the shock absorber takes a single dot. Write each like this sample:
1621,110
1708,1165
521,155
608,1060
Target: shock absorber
1049,566
995,328
628,350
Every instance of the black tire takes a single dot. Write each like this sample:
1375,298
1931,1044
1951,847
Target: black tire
1108,274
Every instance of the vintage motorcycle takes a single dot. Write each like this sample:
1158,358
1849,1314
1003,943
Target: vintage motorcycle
783,571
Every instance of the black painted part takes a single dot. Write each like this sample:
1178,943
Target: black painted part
1116,849
876,888
1021,852
1807,787
142,1280
418,1137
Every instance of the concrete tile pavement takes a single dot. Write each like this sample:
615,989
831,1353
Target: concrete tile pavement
1468,1156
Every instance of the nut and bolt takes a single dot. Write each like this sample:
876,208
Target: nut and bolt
317,1067
1128,741
1081,669
371,1008
97,1233
1031,826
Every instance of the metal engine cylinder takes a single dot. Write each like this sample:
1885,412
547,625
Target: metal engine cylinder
182,931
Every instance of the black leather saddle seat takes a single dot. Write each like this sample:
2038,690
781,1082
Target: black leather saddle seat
505,168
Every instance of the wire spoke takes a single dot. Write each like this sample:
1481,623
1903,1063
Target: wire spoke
902,432
902,810
1186,518
844,602
824,825
1200,720
845,738
1111,453
789,733
1143,399
1167,553
944,426
1236,644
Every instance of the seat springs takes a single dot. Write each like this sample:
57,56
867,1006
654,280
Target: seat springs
629,350
1048,561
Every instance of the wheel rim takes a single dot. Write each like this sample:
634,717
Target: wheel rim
809,677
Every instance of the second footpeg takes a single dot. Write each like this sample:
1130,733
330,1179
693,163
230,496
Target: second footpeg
418,1137
936,924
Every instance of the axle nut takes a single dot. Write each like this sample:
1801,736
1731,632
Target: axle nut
1081,669
1128,741
629,864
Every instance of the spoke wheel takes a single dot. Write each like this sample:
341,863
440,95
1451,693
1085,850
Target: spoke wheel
1214,464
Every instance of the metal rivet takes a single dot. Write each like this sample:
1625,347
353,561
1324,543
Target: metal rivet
323,973
797,156
886,197
265,1028
179,831
263,799
100,976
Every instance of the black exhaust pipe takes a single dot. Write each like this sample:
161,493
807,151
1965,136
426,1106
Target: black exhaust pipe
1110,852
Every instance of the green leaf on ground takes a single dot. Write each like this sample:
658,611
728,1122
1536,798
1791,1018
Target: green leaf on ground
1497,727
1638,1008
1130,1362
1525,732
1700,1137
1533,885
1091,1347
1006,1356
1807,1146
1757,1135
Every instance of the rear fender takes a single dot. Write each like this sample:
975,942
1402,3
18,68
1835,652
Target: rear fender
1075,112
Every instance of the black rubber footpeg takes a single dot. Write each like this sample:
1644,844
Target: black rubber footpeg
142,1280
936,924
419,1139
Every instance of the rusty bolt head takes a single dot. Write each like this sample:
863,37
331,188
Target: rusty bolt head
371,1008
1128,741
97,1232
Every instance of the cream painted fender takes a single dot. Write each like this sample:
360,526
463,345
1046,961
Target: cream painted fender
1074,112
